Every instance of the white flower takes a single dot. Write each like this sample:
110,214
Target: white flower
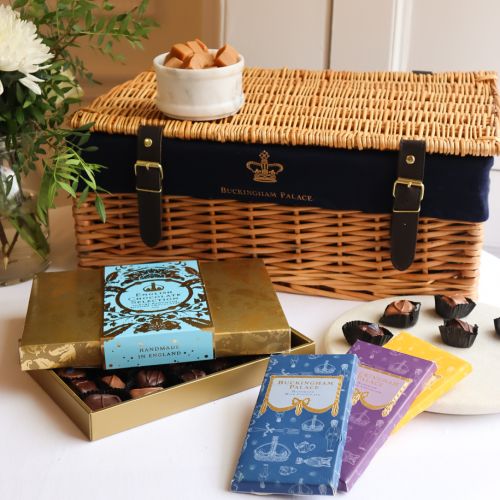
21,49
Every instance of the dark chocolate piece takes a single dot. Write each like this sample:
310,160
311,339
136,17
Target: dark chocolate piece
467,327
372,329
150,378
192,375
100,401
496,322
178,368
113,382
217,365
144,391
458,333
399,307
84,386
454,300
71,373
401,314
367,332
453,306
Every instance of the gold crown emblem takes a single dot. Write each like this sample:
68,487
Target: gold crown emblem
153,288
264,171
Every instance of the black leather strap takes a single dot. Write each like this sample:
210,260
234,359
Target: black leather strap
149,176
408,192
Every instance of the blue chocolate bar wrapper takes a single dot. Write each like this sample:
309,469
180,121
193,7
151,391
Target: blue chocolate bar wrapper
297,431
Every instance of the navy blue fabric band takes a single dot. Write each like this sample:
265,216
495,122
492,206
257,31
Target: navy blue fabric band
455,187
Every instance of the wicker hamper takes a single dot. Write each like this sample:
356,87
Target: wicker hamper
335,135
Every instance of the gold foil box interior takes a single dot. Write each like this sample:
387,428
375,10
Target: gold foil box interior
64,320
132,413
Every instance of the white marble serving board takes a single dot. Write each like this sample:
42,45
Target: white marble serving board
479,392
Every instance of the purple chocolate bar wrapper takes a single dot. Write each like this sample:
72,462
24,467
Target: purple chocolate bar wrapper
386,385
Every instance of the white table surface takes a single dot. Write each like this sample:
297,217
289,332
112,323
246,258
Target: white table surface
192,455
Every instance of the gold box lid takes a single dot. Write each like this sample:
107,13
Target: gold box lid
65,313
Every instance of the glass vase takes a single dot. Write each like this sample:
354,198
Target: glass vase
24,249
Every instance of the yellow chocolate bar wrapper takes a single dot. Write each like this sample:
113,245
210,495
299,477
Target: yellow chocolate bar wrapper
450,370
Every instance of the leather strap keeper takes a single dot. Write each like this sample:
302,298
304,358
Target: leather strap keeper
148,177
408,192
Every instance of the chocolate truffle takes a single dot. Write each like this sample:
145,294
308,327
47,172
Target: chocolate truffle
217,365
454,300
458,333
177,368
193,374
144,391
113,382
150,378
71,373
100,401
453,306
366,331
496,322
84,386
401,314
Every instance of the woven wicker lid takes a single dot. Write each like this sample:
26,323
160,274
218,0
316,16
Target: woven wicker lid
456,113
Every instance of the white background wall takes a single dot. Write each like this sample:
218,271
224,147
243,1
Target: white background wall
365,35
289,33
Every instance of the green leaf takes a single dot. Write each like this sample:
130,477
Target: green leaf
85,128
90,183
30,231
68,176
38,115
84,138
101,210
100,24
51,194
67,188
83,196
20,116
142,7
88,20
19,94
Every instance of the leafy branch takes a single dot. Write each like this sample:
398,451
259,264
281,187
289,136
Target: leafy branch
32,125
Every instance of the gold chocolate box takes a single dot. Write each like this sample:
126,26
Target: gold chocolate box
135,412
64,321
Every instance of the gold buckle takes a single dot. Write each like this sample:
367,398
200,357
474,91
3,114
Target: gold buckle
409,183
147,165
157,191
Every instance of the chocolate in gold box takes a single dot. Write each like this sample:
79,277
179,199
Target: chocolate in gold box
119,401
149,314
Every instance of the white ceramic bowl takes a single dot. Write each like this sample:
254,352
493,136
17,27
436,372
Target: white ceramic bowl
199,94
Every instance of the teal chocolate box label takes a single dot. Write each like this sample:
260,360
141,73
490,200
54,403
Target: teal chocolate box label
155,314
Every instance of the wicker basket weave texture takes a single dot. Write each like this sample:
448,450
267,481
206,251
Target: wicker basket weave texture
310,250
307,250
456,113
